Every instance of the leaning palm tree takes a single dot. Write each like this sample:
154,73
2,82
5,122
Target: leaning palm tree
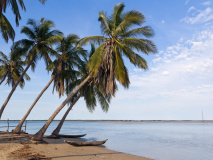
11,68
90,93
69,58
107,64
39,45
5,27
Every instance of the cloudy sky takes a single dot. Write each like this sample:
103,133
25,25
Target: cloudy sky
178,84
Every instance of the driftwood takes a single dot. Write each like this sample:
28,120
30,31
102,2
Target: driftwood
92,143
71,136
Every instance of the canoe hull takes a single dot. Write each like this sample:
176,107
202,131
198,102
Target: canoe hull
92,143
71,136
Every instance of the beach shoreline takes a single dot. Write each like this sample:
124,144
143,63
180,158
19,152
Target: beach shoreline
14,146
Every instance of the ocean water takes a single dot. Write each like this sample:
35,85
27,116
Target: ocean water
159,141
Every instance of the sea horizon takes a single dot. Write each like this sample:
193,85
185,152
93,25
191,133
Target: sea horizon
197,121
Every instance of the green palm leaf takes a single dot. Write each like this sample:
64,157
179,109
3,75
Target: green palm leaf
91,39
6,29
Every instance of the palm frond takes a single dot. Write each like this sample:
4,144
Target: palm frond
72,38
91,39
104,23
133,57
146,31
15,9
92,50
89,97
118,9
103,100
121,72
6,29
95,59
143,45
3,56
28,32
130,19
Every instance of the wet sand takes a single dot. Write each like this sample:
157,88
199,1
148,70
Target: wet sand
20,147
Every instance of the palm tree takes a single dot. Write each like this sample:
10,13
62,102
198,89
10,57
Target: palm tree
11,68
5,27
39,45
90,93
106,64
69,58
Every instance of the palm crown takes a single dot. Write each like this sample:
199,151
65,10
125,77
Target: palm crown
41,39
11,68
89,91
67,60
119,38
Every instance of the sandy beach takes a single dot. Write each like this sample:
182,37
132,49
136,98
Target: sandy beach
14,146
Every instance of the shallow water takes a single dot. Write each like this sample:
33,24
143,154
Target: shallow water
159,141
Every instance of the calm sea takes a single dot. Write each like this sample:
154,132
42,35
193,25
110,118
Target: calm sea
159,141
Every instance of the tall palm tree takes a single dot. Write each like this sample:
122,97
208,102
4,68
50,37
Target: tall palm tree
69,58
39,45
5,27
107,64
11,68
90,93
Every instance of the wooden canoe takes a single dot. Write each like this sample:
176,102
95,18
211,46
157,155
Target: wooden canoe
71,136
92,143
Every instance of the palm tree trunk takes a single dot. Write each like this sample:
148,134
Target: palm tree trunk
3,79
18,128
57,130
39,135
14,88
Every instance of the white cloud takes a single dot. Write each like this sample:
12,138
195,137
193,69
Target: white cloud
163,21
165,73
207,3
154,69
157,59
202,17
186,81
191,9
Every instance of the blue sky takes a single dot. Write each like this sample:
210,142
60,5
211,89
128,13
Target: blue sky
178,84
